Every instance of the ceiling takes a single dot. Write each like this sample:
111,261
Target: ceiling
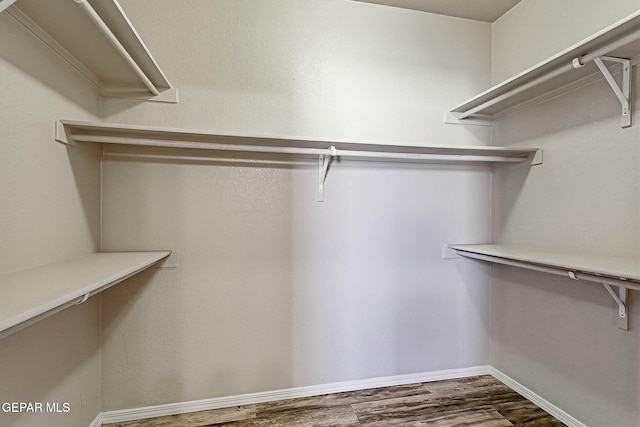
480,10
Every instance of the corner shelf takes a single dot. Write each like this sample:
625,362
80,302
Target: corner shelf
98,40
573,67
30,295
609,271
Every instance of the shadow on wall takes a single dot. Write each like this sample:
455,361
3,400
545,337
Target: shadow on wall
83,166
560,337
55,360
219,323
16,40
587,106
507,184
124,305
585,197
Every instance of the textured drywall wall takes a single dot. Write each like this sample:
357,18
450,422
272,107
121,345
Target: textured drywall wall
273,289
49,212
535,30
558,336
319,68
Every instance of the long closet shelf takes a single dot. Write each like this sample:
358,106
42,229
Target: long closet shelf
97,38
27,296
79,133
623,273
618,271
573,65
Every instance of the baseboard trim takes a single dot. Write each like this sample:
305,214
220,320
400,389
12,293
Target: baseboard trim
536,399
291,393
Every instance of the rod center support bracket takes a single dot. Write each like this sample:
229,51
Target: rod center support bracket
324,160
621,298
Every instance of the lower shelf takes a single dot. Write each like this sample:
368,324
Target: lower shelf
609,271
30,295
625,270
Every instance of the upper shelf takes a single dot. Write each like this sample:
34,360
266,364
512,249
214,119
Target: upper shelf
29,295
98,40
560,70
77,133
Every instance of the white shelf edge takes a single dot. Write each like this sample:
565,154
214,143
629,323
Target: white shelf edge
86,133
103,270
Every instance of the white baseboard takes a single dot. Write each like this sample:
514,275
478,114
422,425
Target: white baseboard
537,399
291,393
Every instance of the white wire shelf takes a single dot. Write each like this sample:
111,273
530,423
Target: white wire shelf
27,296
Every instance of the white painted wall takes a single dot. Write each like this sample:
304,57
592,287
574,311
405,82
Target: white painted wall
50,211
321,68
274,290
557,336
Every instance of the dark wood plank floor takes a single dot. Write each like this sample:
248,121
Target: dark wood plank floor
481,401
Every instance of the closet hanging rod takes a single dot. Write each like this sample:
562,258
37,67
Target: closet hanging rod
576,63
97,20
297,150
165,157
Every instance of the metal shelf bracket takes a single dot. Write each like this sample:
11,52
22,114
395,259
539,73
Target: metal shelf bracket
623,93
621,299
323,167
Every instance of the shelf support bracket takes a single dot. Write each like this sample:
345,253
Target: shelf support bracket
323,167
623,94
621,299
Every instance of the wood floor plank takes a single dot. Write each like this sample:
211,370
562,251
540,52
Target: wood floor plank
194,419
523,413
397,411
476,382
334,416
477,418
343,398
